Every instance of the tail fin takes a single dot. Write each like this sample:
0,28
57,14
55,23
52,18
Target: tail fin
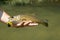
45,22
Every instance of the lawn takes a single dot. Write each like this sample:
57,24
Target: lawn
32,33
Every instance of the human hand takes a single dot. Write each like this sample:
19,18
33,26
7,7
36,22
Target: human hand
23,24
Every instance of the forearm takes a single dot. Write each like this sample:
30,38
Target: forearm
4,17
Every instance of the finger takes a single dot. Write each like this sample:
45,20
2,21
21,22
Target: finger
27,22
20,24
33,24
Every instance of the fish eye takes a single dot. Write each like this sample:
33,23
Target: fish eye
12,17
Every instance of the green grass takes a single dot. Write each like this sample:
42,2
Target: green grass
33,33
